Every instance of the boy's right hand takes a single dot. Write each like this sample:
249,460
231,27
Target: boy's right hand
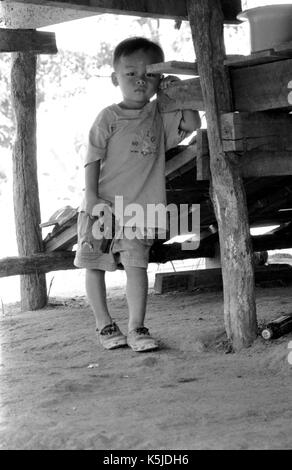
104,225
94,205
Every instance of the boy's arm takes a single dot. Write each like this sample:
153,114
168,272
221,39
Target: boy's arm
191,120
92,171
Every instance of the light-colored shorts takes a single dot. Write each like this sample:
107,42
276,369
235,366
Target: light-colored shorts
123,252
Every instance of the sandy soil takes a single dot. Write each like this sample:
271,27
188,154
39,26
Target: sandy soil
60,390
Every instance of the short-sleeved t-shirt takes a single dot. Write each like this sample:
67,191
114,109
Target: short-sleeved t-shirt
131,146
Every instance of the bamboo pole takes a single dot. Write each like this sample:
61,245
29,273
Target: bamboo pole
227,191
25,183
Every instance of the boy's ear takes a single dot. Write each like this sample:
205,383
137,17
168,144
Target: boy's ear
114,79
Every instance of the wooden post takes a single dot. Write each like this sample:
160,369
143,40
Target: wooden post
227,191
25,183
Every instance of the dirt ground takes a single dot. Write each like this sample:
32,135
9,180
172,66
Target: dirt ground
60,390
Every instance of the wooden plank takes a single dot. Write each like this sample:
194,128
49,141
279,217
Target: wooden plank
174,67
63,260
27,40
262,87
191,68
181,163
184,94
63,238
256,58
212,278
242,132
37,263
259,88
234,60
62,217
260,164
187,280
151,8
28,16
25,182
40,263
252,164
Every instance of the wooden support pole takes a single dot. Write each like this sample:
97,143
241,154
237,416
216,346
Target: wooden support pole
227,189
25,183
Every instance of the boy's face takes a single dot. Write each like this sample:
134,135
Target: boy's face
136,85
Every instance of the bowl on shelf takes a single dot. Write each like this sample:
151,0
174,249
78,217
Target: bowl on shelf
270,25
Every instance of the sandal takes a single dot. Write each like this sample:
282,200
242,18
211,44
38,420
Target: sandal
140,340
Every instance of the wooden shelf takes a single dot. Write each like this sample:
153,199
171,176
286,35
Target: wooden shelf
175,67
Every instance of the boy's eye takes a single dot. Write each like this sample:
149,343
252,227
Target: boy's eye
151,75
130,74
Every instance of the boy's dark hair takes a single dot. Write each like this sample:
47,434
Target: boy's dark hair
128,46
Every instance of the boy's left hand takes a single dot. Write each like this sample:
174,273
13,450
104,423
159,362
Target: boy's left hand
168,81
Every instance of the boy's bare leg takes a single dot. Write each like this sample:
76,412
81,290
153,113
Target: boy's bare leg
136,292
96,293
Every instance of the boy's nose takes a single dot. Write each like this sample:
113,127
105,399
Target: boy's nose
141,81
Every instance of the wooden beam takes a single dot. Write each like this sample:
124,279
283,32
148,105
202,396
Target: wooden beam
174,67
262,87
227,189
260,164
263,142
185,94
160,253
181,163
64,234
25,182
212,278
264,131
232,60
256,58
149,8
252,164
36,263
40,263
27,40
23,15
62,240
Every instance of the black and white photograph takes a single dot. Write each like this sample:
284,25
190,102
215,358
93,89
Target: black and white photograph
160,128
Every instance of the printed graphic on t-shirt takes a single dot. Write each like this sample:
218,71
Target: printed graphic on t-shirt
145,144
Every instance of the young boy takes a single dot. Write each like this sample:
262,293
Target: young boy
126,159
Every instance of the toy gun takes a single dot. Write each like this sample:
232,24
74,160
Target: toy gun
109,233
